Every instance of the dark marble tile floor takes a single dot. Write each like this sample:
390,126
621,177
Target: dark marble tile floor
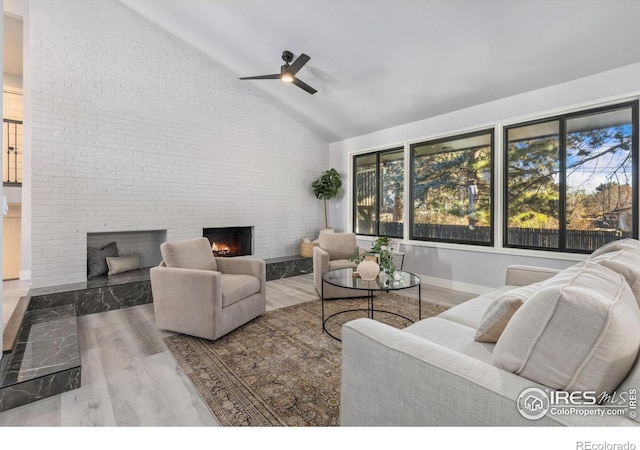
46,359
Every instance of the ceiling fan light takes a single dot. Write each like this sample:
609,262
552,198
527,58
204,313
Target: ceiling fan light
286,77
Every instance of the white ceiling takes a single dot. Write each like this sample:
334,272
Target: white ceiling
381,63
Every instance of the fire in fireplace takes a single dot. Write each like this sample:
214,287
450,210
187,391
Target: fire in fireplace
230,241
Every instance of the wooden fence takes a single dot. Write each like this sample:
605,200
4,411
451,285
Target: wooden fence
520,237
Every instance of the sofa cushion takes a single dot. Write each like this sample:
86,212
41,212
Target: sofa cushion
189,254
341,264
626,262
499,312
338,245
580,331
614,246
470,312
237,287
451,335
631,382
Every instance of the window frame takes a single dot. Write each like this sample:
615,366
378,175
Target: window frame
562,120
354,200
492,166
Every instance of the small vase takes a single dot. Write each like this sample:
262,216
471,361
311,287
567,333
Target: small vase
368,270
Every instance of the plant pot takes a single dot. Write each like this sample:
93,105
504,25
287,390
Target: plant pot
368,270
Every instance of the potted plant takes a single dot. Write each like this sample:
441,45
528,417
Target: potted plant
380,248
327,187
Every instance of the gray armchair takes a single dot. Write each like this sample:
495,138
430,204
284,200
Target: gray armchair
197,294
333,252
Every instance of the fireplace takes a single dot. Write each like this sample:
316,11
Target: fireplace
230,241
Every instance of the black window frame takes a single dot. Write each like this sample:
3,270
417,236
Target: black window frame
486,131
354,219
562,156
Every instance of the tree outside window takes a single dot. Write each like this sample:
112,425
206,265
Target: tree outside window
451,189
379,193
571,180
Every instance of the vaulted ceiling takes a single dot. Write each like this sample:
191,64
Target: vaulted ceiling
381,63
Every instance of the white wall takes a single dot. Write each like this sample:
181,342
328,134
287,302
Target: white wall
12,81
133,130
1,166
475,268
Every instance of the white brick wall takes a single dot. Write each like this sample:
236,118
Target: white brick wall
132,130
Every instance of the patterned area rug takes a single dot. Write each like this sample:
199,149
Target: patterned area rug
281,369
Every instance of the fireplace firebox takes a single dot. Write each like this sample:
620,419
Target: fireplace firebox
230,241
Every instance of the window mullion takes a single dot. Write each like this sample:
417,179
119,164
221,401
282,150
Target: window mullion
562,182
378,193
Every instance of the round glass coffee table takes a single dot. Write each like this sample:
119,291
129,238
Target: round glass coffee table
344,278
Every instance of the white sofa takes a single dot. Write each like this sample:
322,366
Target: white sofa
435,372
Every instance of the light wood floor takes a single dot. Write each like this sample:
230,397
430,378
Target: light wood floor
129,377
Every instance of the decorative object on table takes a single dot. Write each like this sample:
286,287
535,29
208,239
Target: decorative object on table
326,187
306,247
379,250
368,269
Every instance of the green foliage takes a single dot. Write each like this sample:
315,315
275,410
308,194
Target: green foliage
328,185
534,172
381,248
453,187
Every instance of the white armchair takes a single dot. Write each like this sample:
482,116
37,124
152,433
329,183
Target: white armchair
197,294
333,252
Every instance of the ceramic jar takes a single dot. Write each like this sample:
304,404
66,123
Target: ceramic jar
368,270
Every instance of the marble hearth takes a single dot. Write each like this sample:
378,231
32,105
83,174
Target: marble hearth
288,266
45,360
99,294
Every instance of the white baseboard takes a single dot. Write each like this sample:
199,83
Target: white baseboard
25,274
456,285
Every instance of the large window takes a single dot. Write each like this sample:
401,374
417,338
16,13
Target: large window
451,186
378,193
571,181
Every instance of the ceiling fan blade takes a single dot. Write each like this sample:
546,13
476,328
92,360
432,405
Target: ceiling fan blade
298,63
303,85
275,76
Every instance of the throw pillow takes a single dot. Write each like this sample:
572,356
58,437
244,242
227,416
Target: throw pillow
96,259
119,264
580,331
189,254
500,311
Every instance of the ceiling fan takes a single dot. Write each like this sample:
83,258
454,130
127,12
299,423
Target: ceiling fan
288,72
